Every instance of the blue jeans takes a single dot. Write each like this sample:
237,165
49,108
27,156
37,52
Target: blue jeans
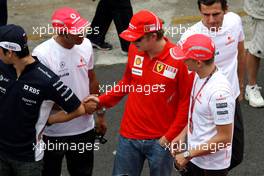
131,154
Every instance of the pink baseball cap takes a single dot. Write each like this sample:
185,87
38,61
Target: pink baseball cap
141,23
197,47
68,20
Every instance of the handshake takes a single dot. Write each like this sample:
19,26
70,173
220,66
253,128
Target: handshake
91,104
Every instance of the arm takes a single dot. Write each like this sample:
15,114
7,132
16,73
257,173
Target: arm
62,116
222,107
176,143
241,68
184,86
100,122
220,141
112,97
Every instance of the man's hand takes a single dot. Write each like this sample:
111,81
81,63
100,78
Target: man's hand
180,161
90,107
100,125
177,145
91,104
163,141
91,97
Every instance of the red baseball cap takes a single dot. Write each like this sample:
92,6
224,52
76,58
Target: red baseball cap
68,20
197,47
141,23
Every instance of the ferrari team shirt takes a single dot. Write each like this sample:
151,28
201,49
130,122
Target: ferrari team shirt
158,95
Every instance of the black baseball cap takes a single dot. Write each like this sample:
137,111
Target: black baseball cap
13,37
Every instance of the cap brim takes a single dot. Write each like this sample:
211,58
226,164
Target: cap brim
80,26
177,53
130,36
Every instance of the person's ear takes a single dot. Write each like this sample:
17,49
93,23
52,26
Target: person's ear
199,63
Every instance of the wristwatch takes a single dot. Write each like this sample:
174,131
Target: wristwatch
101,111
187,154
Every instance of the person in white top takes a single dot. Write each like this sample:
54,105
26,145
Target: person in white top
225,29
255,48
211,112
70,56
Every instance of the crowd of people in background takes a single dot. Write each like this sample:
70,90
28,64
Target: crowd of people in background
197,86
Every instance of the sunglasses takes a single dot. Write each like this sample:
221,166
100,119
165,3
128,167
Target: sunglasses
139,40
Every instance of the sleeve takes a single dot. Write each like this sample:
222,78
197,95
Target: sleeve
37,52
222,107
111,98
183,89
63,95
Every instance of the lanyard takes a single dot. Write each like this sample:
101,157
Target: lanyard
194,98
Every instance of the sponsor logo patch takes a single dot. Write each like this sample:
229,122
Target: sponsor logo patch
221,105
82,63
230,39
31,89
137,71
222,112
2,78
165,70
149,27
138,61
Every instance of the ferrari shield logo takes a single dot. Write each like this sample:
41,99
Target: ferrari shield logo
159,67
165,70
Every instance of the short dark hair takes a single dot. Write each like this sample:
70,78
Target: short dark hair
211,2
19,54
160,34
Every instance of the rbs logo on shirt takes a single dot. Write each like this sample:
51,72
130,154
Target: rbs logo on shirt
31,89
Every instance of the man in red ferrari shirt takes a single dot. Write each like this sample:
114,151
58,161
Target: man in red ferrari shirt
158,92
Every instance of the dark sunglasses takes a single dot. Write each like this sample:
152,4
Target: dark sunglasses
140,39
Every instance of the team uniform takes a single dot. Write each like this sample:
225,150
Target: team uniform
226,41
149,115
72,66
144,118
214,105
21,114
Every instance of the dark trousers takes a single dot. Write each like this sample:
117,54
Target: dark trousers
77,149
238,138
193,170
9,167
107,10
3,12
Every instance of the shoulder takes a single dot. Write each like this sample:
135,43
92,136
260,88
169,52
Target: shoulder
194,29
232,19
44,72
43,47
220,85
86,45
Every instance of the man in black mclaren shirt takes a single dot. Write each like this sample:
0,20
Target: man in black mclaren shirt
24,84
